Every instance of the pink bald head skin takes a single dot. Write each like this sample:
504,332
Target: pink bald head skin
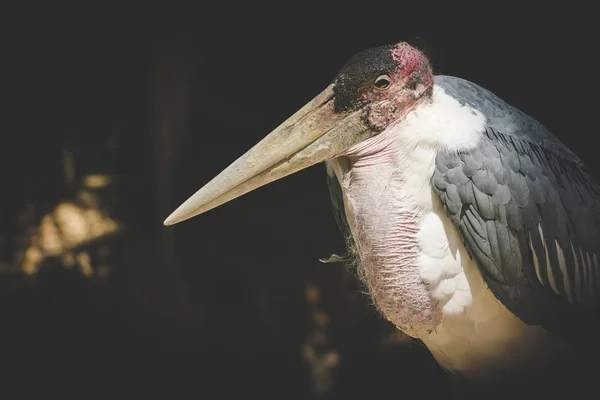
411,84
412,63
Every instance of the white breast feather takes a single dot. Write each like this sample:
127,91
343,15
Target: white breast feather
444,123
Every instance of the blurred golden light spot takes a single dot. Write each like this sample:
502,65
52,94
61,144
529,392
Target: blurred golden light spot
85,264
97,181
33,256
331,359
62,231
309,353
322,368
321,360
68,259
311,293
320,319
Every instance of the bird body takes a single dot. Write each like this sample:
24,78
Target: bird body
412,257
474,228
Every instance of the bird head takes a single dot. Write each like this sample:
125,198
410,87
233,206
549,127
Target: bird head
384,82
374,90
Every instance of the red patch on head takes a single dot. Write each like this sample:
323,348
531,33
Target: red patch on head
413,63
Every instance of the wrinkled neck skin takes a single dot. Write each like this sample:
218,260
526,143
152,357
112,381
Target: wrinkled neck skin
384,219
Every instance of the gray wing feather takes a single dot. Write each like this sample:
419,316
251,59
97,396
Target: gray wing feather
337,201
527,210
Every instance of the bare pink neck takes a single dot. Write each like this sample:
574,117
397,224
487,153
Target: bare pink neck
385,233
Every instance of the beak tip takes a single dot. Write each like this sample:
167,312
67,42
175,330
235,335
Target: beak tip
181,214
171,220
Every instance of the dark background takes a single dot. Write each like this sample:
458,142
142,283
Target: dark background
234,301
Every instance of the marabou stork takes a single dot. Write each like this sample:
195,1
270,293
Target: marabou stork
475,228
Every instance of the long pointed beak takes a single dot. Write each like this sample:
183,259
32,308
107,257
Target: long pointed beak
313,134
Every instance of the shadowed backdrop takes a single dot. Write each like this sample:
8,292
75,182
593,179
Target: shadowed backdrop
119,117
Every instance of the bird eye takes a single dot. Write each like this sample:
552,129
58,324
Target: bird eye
382,82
